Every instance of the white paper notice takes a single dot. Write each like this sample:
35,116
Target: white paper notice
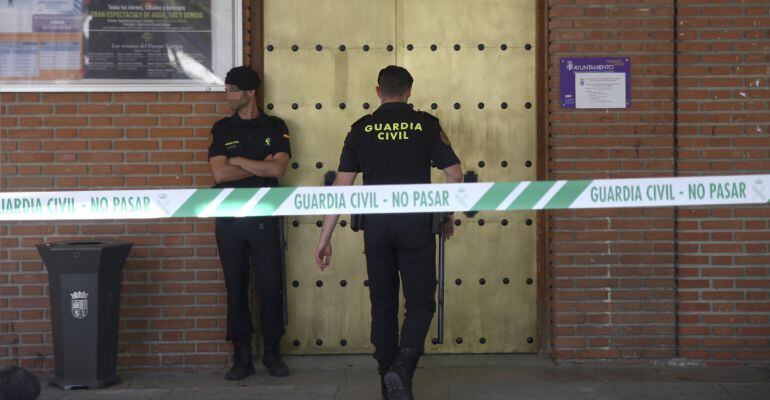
600,90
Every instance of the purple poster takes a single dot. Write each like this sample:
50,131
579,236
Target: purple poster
595,82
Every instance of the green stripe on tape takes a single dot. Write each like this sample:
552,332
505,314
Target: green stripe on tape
531,195
235,201
568,194
272,200
494,196
197,202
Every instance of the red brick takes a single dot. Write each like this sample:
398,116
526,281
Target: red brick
135,121
65,121
135,97
111,109
29,109
169,108
64,97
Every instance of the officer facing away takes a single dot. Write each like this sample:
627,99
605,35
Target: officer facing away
396,145
250,149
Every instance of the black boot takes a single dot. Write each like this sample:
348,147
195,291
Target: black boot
383,388
384,363
242,366
272,360
398,379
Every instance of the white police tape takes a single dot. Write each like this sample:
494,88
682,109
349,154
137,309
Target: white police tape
546,195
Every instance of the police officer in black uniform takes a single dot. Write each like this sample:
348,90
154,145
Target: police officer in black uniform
396,145
250,149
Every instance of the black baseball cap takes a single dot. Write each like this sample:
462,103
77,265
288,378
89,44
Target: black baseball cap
243,77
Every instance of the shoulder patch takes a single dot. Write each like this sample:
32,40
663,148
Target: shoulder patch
361,120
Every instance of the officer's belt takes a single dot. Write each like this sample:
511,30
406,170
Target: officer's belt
383,199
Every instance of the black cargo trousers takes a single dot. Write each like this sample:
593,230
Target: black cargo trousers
244,243
400,244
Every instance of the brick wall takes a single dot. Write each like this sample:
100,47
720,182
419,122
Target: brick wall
612,270
173,298
616,293
172,308
724,128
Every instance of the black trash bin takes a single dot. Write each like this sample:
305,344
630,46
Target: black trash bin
84,279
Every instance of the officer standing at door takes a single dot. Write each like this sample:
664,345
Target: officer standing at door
396,145
250,149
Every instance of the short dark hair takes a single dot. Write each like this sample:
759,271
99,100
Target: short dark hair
394,80
243,77
18,384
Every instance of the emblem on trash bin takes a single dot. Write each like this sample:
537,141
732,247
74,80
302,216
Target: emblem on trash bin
79,304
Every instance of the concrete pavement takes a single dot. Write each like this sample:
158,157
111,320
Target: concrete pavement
517,377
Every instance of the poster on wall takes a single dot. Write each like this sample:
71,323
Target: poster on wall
112,45
595,82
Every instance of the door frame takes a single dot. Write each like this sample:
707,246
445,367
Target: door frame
253,26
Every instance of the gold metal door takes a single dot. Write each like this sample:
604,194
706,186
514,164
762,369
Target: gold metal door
474,68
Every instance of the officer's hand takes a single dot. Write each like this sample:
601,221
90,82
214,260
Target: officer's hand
449,226
323,255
